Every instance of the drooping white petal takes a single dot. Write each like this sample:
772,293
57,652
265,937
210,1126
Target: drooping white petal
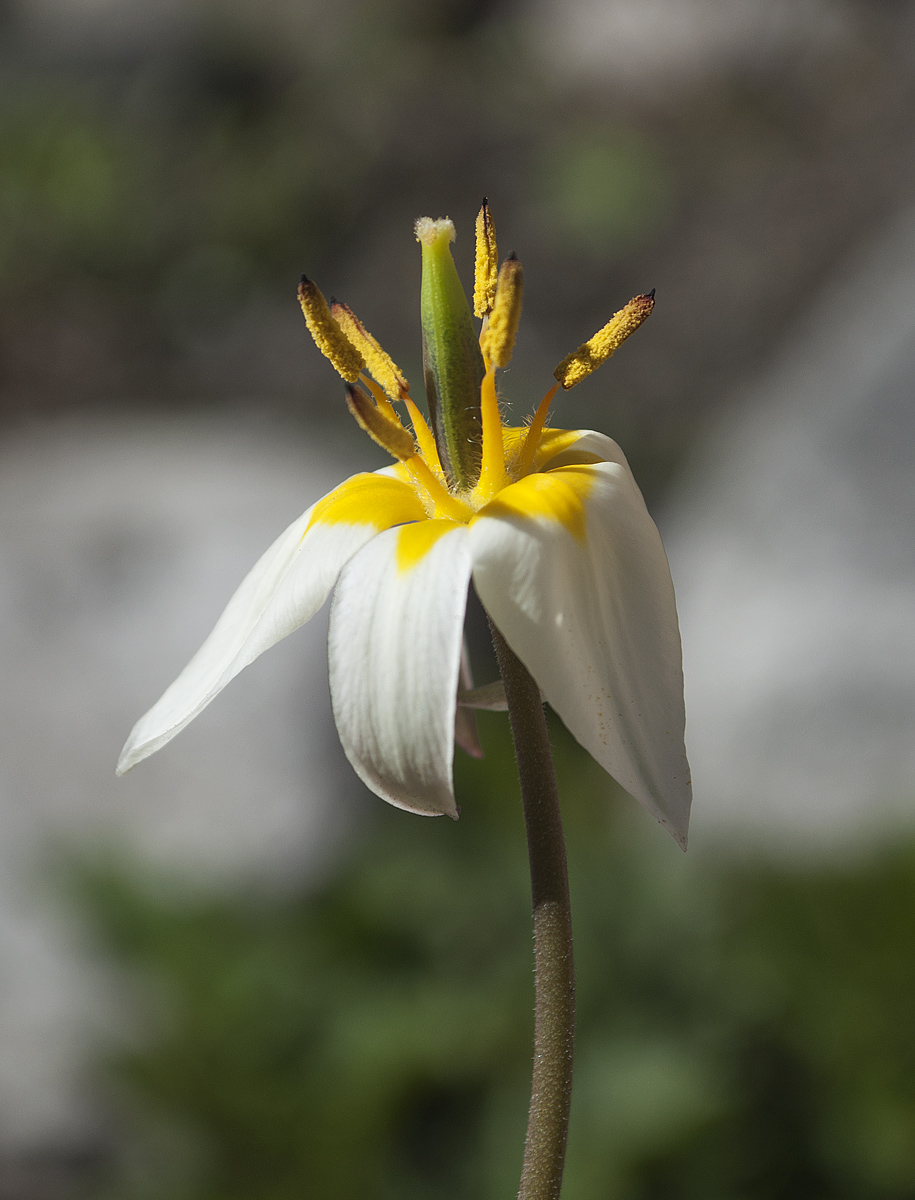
565,448
285,588
570,567
396,628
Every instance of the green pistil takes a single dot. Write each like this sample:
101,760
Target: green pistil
452,362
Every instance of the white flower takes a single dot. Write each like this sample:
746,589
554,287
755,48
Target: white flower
566,561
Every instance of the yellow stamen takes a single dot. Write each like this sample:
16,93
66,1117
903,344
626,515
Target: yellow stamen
389,434
378,361
444,503
329,337
486,267
492,465
380,398
423,435
534,432
421,430
498,339
588,357
398,442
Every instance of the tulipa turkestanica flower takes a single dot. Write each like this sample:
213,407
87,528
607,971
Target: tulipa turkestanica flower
552,529
548,523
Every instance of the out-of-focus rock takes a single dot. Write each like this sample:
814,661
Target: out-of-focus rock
119,546
792,542
664,44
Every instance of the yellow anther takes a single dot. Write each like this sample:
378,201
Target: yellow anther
486,268
377,361
329,337
587,358
387,432
498,339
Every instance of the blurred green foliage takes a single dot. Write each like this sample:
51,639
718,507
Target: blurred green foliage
193,180
609,190
201,183
744,1031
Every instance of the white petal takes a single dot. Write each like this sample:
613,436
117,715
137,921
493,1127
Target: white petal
396,628
285,588
583,596
576,446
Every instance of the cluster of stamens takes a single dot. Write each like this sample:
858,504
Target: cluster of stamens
374,382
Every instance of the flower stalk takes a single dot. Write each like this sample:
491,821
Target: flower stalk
554,968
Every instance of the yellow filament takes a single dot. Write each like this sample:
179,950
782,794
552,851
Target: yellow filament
329,337
380,398
445,504
421,430
484,344
423,435
498,339
492,466
534,432
588,357
486,266
390,435
378,361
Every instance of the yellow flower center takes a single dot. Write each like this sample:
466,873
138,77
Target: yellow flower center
375,383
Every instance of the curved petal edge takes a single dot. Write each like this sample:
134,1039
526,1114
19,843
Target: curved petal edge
570,566
284,589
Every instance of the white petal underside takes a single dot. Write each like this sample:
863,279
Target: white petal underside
396,630
590,610
284,589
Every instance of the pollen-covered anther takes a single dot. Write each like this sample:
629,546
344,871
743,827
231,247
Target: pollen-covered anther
389,434
378,362
486,266
329,337
588,357
498,340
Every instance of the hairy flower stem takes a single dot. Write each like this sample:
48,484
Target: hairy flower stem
554,970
